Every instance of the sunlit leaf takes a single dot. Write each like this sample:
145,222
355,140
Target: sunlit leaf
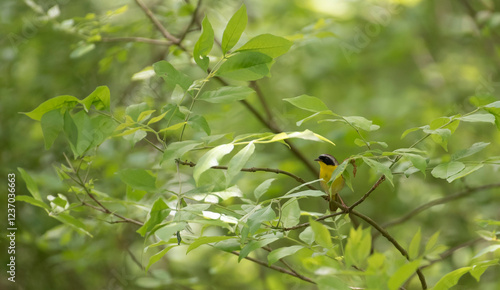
234,29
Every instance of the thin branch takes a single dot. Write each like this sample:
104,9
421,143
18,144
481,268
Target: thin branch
194,17
438,201
276,268
136,39
365,196
157,23
262,100
255,169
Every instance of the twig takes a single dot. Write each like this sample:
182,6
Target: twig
101,207
157,23
262,100
438,201
255,169
136,39
365,196
194,17
276,268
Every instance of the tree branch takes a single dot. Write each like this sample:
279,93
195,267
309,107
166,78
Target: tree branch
136,39
365,196
438,201
157,23
255,169
276,268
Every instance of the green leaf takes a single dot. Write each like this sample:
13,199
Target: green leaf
52,124
256,219
82,49
475,148
408,131
52,104
254,245
226,94
238,161
329,282
234,29
487,118
157,257
440,133
379,167
321,234
199,123
431,243
173,127
178,149
414,248
167,232
308,103
305,193
157,118
206,240
144,115
290,213
489,249
451,279
71,131
100,98
171,76
30,184
246,66
268,44
307,236
277,254
33,201
479,268
211,158
466,171
361,123
72,222
159,211
358,247
445,170
402,274
138,179
418,162
338,171
135,110
262,188
204,45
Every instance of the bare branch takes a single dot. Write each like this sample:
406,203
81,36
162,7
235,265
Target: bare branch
276,268
136,39
255,169
439,201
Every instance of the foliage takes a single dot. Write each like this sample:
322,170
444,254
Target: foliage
181,172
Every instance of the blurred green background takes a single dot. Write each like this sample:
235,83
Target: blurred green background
401,65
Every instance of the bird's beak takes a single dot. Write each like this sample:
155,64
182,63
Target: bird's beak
317,159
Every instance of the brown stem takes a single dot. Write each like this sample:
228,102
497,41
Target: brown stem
365,196
276,268
438,201
157,23
255,169
136,39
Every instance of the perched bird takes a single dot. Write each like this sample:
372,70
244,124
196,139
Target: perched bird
327,164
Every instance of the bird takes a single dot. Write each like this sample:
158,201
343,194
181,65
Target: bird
327,164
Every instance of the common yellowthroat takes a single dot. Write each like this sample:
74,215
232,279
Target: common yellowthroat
327,164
